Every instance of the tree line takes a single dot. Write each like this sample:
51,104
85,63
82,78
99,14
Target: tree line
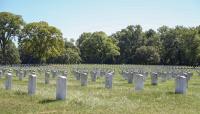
41,43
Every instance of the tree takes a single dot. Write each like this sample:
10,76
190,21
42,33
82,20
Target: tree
10,28
180,45
153,39
129,40
71,55
147,55
98,48
41,41
189,45
170,46
82,38
11,53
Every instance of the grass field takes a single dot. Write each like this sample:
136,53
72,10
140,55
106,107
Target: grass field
95,99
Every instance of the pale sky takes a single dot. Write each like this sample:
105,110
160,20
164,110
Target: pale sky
73,17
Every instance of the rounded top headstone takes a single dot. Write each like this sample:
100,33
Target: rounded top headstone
9,74
62,77
33,75
181,77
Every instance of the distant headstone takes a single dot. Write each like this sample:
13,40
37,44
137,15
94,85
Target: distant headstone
65,73
187,78
1,74
17,73
54,74
108,80
93,76
83,79
47,76
21,75
25,73
125,75
77,75
130,77
164,77
154,78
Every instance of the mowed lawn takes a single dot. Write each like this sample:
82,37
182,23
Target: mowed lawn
95,99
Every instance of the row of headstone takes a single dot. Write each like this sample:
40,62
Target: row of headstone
61,83
138,78
130,76
181,79
82,76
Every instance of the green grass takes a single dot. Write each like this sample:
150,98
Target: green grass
95,99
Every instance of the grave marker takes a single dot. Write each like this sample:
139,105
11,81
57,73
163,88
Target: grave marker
61,88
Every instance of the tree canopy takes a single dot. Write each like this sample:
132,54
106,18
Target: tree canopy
39,42
97,47
10,28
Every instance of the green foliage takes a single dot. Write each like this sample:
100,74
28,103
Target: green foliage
189,40
98,48
146,55
10,28
129,40
180,45
71,55
41,41
153,39
82,38
169,46
11,54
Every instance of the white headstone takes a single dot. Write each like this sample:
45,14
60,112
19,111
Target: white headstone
77,75
8,81
65,73
164,77
130,77
139,82
125,75
61,88
83,79
108,80
187,78
32,84
1,74
25,73
47,76
21,75
54,74
93,76
181,85
154,78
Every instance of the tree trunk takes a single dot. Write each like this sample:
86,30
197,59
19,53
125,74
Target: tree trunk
3,53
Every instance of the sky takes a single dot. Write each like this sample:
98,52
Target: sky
73,17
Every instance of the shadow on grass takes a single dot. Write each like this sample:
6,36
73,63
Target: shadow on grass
170,93
45,101
195,84
20,93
